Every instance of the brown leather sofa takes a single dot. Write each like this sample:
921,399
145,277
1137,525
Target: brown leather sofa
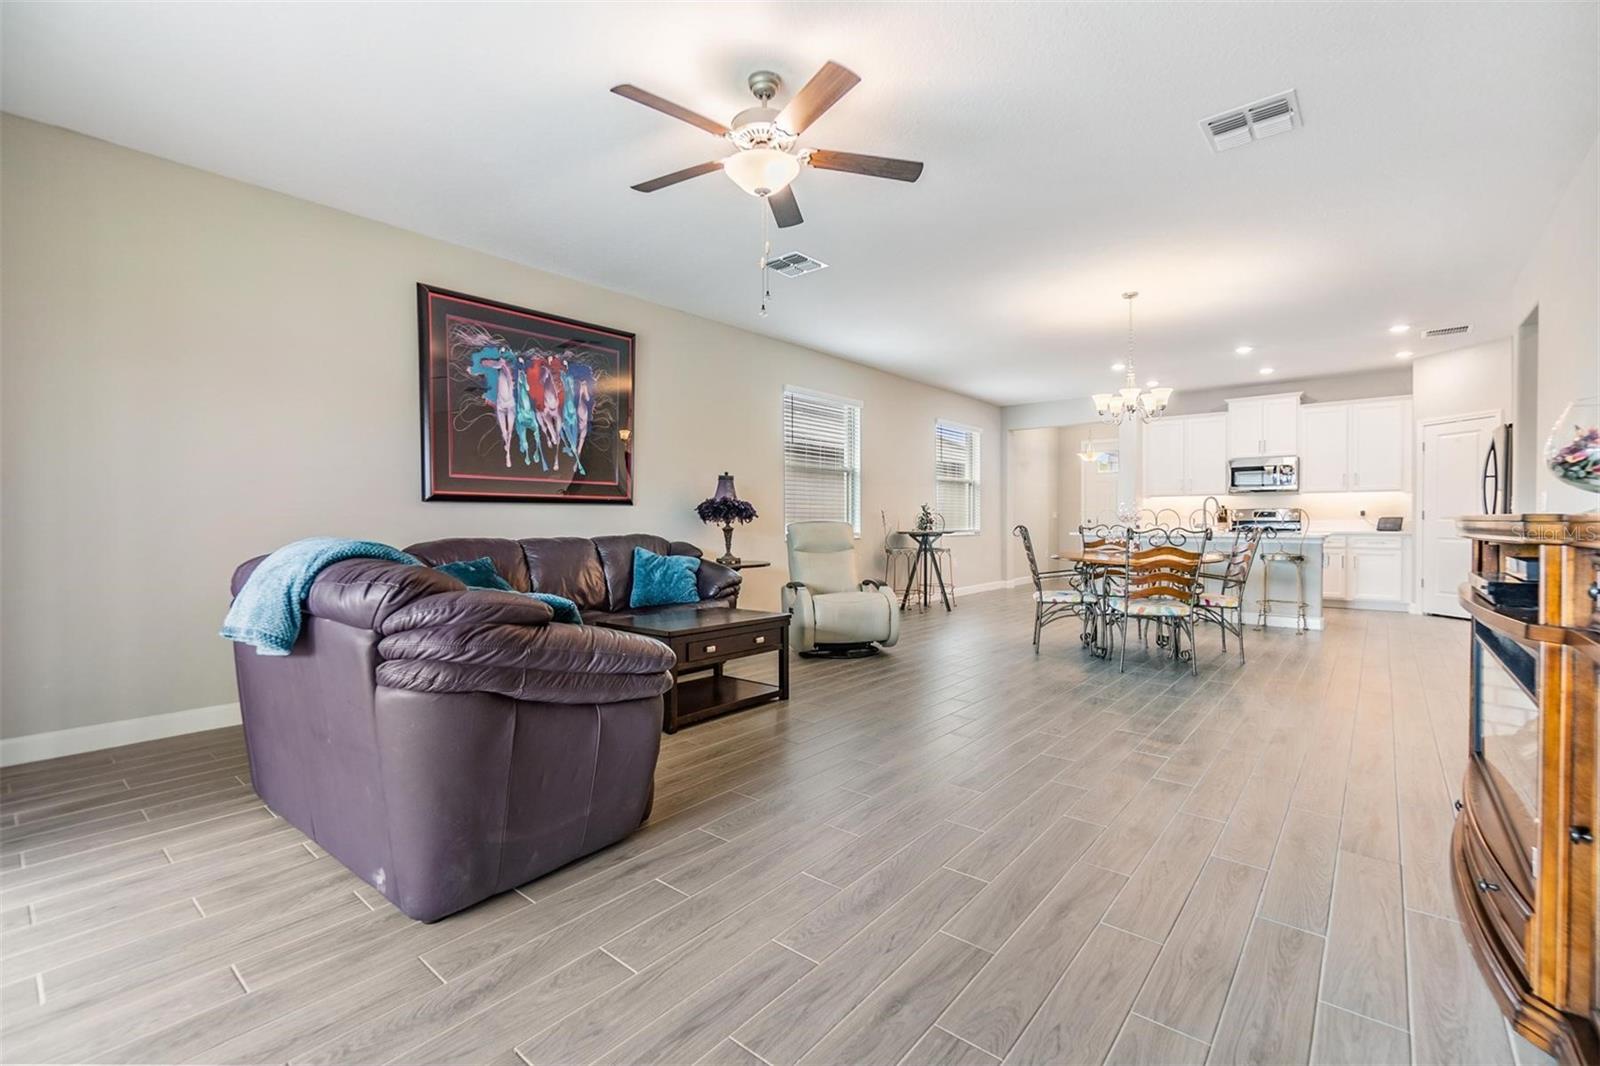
595,573
447,744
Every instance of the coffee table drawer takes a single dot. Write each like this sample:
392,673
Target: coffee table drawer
726,644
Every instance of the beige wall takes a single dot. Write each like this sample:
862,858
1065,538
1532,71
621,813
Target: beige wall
1464,381
1562,280
1031,476
196,371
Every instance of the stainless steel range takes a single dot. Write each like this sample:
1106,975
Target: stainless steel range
1277,519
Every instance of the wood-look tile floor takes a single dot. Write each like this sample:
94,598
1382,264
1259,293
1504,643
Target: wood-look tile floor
956,852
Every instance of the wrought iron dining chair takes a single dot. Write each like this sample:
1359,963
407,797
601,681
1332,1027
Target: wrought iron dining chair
1228,599
1075,598
1159,583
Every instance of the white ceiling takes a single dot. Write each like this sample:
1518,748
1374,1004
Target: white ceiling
1064,160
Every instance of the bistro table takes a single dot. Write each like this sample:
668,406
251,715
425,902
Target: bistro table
925,557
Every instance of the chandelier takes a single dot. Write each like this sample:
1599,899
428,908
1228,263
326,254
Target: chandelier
1130,401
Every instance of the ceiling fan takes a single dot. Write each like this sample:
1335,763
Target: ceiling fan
767,160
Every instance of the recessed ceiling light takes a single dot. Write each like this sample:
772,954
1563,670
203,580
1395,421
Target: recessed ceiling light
1243,349
1265,370
1152,383
1400,327
1402,355
1119,366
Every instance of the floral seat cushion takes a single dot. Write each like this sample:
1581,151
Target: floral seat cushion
1063,596
1155,607
1217,599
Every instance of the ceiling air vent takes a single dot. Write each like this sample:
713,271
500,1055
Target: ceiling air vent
1252,122
794,264
1446,331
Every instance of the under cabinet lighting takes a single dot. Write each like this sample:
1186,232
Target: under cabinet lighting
1402,355
1243,349
1400,327
1265,370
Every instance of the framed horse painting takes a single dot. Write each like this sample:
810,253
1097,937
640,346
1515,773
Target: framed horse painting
522,405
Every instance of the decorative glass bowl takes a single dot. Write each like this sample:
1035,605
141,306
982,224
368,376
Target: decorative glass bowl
1572,451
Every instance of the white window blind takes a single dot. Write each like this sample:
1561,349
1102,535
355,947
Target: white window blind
821,459
956,477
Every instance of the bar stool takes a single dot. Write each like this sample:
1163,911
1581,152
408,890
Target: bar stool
1295,557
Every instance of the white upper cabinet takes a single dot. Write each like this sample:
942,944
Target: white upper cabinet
1379,444
1325,447
1264,425
1362,446
1205,451
1186,456
1163,457
1280,425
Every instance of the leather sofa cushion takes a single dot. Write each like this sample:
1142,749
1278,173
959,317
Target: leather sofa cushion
567,566
505,554
469,606
588,650
542,686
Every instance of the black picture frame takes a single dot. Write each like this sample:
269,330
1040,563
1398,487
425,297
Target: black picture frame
522,406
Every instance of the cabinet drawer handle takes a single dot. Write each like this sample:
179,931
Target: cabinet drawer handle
1487,886
761,640
1580,834
710,648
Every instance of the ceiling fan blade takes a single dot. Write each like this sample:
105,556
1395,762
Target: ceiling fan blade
667,107
873,166
678,175
816,96
784,209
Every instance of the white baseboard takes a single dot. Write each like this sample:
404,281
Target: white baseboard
1283,621
36,746
986,586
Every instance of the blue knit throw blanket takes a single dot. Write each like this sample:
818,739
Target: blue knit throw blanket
267,611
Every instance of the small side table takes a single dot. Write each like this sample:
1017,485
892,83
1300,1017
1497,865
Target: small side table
745,564
925,558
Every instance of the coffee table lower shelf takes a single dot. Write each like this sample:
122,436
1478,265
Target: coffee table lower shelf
700,696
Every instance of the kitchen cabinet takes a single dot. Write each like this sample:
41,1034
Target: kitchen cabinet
1362,446
1333,569
1360,569
1325,447
1379,444
1264,425
1186,456
1163,457
1205,450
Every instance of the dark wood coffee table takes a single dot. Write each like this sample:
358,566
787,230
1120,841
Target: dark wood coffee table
705,640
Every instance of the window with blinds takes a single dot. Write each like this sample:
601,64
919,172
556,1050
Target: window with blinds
956,479
821,459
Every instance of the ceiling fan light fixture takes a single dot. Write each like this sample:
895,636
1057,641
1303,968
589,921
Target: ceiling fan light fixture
761,171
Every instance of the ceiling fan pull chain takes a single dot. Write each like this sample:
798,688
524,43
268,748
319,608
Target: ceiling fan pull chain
766,254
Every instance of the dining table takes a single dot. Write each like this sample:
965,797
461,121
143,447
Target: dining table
1100,561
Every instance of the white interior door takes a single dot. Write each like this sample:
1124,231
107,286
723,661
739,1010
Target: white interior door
1452,466
1098,497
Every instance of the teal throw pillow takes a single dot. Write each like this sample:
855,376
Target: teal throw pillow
476,574
565,610
659,580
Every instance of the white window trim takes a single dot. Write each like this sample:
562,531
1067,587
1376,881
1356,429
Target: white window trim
977,481
817,394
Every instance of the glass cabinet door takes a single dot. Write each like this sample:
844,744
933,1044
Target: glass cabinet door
1505,719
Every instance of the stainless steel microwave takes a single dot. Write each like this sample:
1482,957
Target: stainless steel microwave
1270,473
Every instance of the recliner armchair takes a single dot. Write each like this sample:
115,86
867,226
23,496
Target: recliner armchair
835,613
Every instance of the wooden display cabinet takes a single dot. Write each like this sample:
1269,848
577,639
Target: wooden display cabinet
1524,852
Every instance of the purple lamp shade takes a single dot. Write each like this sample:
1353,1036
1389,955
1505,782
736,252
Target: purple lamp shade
725,488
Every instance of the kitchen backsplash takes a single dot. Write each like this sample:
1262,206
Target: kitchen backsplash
1326,506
